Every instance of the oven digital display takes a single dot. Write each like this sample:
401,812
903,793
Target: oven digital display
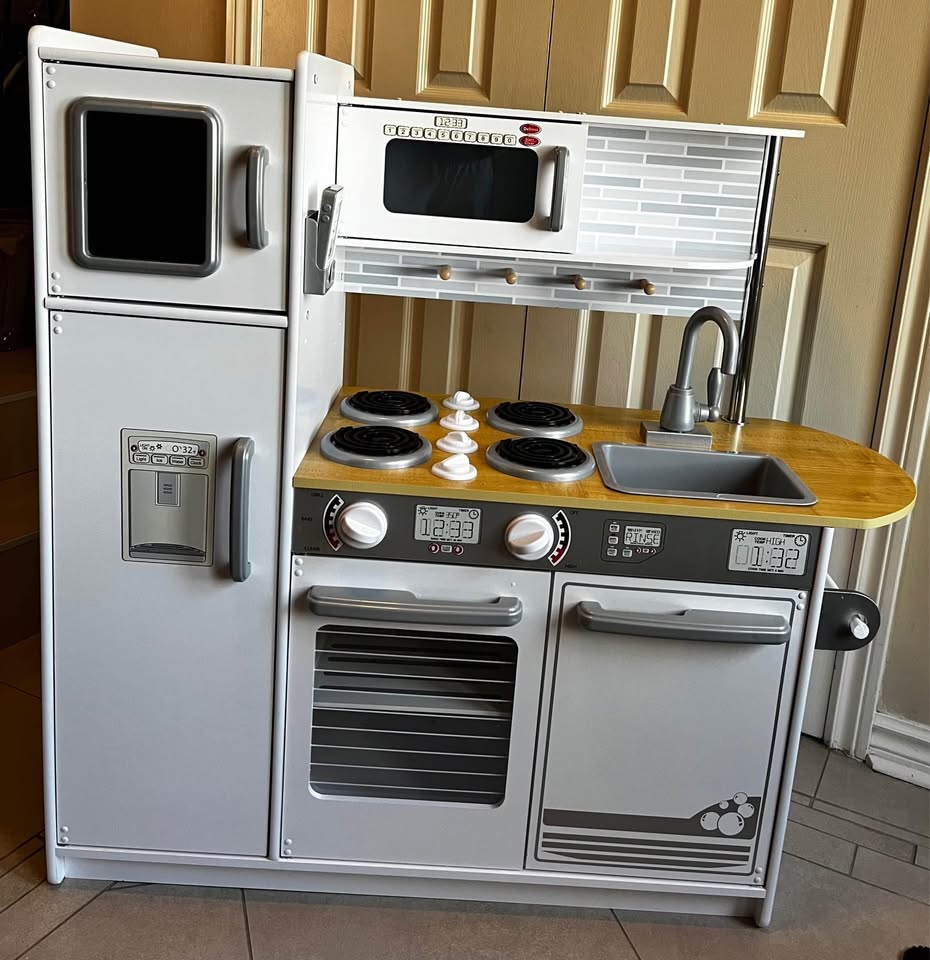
642,537
447,524
457,122
769,551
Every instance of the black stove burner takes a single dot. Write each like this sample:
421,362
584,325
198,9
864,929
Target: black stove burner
535,413
388,403
376,441
541,453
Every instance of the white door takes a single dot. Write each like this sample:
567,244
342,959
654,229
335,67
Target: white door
666,728
167,187
163,665
410,728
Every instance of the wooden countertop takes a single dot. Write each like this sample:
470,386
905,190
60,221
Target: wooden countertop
855,486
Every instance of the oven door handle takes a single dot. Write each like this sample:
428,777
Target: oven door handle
361,603
557,217
256,234
716,626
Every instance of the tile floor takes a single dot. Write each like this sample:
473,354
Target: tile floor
854,886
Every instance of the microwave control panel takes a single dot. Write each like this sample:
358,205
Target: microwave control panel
168,487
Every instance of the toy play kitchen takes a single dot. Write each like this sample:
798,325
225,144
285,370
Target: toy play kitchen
305,636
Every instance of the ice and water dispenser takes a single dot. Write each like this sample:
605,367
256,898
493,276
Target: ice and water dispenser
169,481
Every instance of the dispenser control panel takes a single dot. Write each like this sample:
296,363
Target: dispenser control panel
169,482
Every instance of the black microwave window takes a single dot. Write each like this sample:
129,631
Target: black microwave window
462,180
149,191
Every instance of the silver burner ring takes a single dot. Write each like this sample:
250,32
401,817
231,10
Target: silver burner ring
527,430
401,462
559,475
390,420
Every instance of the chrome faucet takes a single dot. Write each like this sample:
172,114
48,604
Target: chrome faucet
681,411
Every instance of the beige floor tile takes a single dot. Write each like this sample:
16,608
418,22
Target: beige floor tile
819,915
850,784
923,857
854,832
20,666
809,844
19,881
801,798
20,768
878,825
812,755
890,874
287,926
153,923
39,912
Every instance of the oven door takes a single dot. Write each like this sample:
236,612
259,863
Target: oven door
669,765
459,180
411,718
167,187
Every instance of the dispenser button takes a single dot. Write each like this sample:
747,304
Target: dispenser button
141,458
176,461
159,458
195,461
168,489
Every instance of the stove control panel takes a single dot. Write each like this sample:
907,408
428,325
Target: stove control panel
424,529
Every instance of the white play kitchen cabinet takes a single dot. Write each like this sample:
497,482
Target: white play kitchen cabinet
243,685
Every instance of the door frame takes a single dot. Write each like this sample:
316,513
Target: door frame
900,433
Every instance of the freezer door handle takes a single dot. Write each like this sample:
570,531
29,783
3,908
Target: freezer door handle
239,565
718,626
361,603
256,234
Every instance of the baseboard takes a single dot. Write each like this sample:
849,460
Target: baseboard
900,748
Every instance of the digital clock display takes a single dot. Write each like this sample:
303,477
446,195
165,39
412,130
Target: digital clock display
642,537
769,551
458,122
447,524
169,446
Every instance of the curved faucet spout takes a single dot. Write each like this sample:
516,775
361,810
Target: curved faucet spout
730,334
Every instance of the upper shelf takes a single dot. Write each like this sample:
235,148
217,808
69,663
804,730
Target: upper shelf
623,259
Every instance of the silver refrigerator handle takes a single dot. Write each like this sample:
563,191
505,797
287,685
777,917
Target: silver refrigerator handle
718,626
239,565
360,603
557,217
256,234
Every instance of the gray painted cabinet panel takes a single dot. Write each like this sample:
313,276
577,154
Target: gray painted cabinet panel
163,671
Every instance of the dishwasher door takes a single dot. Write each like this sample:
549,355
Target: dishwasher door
667,707
412,699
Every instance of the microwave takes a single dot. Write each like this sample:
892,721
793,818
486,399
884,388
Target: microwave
494,181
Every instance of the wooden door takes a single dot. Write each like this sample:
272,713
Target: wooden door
481,52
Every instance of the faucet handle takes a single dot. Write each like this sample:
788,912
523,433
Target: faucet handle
714,394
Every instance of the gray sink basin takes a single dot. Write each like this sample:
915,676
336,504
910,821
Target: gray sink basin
702,474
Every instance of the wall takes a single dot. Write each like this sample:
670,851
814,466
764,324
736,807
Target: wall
907,669
180,29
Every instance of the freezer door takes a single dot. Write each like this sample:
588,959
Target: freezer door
666,724
162,658
167,187
412,698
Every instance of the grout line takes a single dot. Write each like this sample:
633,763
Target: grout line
857,843
849,876
20,690
245,917
26,893
859,813
63,922
852,865
823,770
35,836
626,935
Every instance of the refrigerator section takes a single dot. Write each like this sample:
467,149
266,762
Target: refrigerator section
166,442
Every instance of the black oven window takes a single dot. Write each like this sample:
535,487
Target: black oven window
149,187
435,178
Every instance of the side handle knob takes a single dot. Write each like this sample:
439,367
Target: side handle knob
859,627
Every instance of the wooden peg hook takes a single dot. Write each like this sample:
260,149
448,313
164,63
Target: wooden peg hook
510,275
444,272
647,286
580,282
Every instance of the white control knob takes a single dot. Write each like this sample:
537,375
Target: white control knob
362,525
859,626
529,536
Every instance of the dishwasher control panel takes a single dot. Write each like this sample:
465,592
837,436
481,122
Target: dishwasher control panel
626,541
168,483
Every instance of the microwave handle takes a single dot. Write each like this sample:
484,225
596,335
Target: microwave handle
557,218
256,234
359,603
716,626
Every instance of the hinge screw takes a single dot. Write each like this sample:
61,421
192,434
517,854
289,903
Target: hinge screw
298,561
50,84
288,842
298,573
56,329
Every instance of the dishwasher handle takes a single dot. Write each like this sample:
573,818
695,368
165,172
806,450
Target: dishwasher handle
716,626
361,603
